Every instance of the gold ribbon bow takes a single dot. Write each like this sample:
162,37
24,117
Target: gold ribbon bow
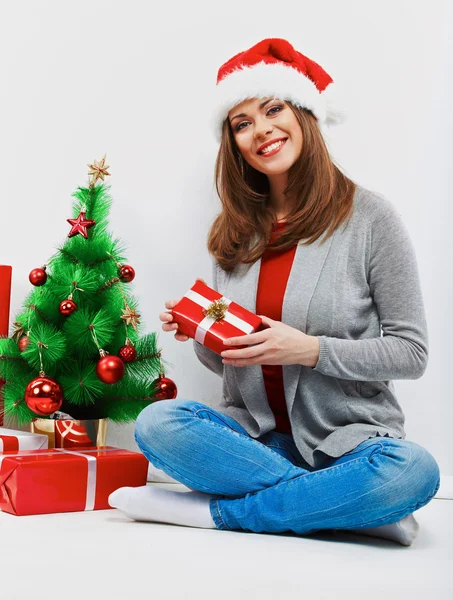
216,310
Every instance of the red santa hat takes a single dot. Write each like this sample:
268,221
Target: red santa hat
274,68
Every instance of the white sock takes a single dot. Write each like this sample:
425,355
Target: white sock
150,503
404,532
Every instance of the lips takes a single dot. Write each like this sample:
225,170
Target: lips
264,146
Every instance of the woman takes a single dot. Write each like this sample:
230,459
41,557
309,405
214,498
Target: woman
309,434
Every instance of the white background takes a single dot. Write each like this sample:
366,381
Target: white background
133,80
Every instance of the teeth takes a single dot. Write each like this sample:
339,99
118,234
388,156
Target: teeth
272,147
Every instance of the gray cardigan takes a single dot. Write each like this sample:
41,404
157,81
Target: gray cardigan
364,277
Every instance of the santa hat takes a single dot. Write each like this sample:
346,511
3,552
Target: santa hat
274,68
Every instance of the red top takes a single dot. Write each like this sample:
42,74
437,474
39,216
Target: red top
274,273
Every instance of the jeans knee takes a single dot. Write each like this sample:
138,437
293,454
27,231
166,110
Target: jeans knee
411,477
422,474
149,417
428,469
153,419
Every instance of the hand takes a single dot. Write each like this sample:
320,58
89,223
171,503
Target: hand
167,317
278,344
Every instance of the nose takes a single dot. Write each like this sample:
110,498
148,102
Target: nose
262,127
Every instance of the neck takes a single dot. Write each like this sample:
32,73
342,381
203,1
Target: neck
277,199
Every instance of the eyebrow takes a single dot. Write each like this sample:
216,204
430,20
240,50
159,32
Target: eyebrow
244,115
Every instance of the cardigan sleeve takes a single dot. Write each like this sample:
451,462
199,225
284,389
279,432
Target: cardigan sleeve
210,359
402,350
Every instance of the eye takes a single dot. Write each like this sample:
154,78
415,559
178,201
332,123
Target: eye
277,109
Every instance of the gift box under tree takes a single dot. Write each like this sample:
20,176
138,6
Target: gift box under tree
64,432
55,481
12,440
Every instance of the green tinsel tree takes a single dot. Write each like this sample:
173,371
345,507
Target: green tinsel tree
88,280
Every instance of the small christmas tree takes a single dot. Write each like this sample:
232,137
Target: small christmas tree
76,346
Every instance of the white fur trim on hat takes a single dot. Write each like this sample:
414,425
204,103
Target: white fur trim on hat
264,80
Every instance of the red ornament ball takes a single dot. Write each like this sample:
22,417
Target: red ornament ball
23,343
43,396
127,353
165,388
127,273
110,369
67,307
38,277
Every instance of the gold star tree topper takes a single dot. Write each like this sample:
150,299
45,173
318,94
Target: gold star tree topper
130,317
98,170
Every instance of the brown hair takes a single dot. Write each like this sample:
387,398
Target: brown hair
324,198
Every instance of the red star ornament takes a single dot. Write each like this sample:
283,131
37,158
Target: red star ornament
80,225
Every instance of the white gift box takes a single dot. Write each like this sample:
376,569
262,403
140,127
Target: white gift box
12,439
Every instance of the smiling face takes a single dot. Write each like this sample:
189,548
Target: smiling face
267,133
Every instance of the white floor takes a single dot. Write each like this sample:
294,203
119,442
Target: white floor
101,555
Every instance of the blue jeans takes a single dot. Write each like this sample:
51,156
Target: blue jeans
264,484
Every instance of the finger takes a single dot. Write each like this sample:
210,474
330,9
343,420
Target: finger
171,303
240,363
170,326
166,316
181,337
266,321
251,338
258,359
245,353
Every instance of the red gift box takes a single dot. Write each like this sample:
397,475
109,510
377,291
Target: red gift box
5,299
230,320
12,440
71,434
59,480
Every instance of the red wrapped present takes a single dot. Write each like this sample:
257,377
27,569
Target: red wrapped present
67,432
12,440
208,317
5,299
59,480
71,434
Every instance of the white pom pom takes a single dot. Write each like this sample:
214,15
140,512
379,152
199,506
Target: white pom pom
335,100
